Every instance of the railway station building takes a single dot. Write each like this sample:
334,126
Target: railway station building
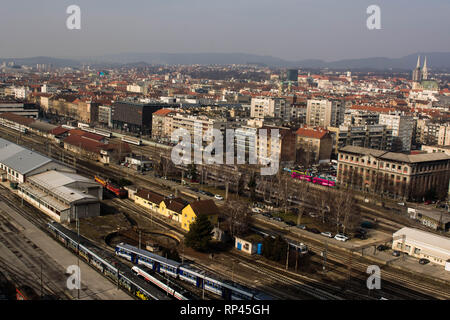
63,196
19,163
398,175
422,244
196,208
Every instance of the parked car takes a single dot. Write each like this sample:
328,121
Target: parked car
218,197
327,234
341,237
424,261
382,247
290,223
360,236
361,231
313,215
301,226
256,210
209,194
268,215
367,225
314,230
396,253
278,219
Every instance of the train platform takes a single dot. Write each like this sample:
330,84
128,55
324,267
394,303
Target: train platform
36,247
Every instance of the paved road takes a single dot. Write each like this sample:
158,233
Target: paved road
24,249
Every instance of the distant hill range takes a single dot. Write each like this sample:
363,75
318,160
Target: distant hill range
436,60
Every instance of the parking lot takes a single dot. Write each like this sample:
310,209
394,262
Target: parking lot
374,237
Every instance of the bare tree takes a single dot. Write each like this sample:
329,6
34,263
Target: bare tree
343,209
322,200
238,217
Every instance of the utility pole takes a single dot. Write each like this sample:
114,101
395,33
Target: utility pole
232,272
139,239
41,280
325,257
287,257
296,259
78,248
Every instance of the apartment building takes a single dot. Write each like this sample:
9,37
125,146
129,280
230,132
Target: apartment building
354,117
202,124
368,136
268,107
313,145
402,129
394,174
161,123
325,113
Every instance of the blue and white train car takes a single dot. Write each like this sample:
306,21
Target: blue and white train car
192,275
151,260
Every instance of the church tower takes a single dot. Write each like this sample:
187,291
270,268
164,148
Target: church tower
425,70
417,74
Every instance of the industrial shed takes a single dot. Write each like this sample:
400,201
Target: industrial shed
19,162
63,196
421,244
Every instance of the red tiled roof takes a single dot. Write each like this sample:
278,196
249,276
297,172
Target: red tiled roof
162,112
87,135
16,118
59,130
206,207
84,143
374,109
150,195
316,133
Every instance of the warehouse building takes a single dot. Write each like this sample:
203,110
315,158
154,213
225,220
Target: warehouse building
19,163
62,195
421,244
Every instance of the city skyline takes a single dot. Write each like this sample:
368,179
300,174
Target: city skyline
291,31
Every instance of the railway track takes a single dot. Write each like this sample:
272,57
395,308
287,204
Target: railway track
93,169
393,282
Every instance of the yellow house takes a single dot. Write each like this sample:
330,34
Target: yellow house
149,199
172,208
196,208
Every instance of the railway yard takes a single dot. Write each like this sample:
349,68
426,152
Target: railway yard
341,276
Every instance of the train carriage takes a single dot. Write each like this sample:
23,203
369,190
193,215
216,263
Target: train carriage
153,261
100,180
135,141
103,261
188,273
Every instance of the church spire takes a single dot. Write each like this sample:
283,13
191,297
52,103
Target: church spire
425,70
417,74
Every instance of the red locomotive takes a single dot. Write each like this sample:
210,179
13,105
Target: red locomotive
118,191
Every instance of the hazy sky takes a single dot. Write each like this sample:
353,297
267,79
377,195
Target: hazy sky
290,29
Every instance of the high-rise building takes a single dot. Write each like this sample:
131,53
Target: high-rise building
270,108
325,113
368,136
402,129
292,75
